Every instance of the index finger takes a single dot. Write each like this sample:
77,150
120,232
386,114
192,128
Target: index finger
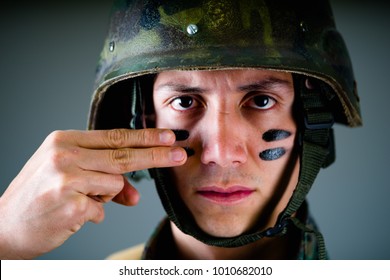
123,138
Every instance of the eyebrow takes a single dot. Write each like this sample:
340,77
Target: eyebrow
181,88
263,85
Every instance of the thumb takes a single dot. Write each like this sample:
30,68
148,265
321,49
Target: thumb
128,196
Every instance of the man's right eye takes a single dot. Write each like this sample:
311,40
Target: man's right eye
183,103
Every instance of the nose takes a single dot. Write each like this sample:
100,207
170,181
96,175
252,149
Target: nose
224,142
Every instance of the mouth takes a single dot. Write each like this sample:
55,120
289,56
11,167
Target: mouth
225,196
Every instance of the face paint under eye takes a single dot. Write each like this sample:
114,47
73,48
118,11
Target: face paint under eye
181,134
190,152
272,154
275,135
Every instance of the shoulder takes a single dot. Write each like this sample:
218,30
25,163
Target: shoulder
132,253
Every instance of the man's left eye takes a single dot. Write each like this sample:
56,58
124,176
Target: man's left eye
262,102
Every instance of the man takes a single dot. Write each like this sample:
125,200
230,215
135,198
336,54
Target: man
232,103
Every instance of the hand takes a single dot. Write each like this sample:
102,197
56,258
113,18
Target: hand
69,178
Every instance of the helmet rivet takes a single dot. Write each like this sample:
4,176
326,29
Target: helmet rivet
111,46
192,29
303,26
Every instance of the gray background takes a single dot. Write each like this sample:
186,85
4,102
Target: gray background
48,54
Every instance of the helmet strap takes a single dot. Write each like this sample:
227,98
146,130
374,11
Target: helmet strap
317,151
316,139
136,121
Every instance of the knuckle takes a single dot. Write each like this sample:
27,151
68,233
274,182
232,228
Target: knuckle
63,188
153,155
56,137
68,182
116,138
59,191
77,207
99,215
57,152
147,137
80,210
62,158
143,135
121,158
58,159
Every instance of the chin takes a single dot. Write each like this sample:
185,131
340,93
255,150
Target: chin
223,229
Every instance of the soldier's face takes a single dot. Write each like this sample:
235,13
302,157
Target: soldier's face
243,165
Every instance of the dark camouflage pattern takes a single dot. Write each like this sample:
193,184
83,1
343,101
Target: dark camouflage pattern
296,36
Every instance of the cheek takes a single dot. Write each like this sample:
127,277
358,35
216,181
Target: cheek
162,115
167,119
161,121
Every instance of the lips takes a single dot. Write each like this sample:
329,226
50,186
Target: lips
225,196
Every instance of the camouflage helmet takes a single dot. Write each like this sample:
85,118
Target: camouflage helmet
300,37
153,35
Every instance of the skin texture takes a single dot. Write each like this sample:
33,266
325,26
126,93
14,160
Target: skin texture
69,179
225,184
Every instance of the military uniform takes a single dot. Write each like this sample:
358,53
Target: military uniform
160,245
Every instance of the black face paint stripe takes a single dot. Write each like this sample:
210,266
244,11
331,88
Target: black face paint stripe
272,154
181,134
275,135
190,152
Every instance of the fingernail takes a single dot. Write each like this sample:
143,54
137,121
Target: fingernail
165,137
177,154
181,134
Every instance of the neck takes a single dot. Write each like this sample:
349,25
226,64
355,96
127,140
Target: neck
283,247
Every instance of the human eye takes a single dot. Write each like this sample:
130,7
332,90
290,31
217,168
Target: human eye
183,103
262,102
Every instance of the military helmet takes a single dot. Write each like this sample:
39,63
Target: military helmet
149,36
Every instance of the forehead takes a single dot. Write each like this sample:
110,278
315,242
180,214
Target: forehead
230,77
